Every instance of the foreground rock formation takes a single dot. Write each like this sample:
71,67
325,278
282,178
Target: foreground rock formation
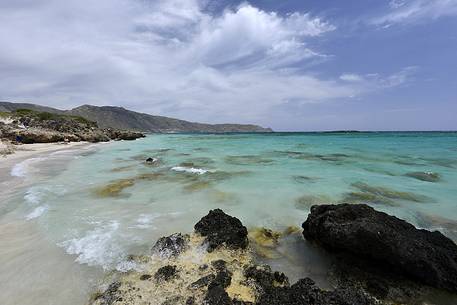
380,260
26,126
385,242
215,266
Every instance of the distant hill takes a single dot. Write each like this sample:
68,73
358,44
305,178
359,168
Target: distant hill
121,118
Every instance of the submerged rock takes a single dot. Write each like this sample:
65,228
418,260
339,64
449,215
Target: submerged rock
265,237
306,201
425,176
114,188
222,229
361,231
389,193
248,160
361,197
304,179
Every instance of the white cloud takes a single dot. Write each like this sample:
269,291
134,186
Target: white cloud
168,57
374,81
351,77
413,11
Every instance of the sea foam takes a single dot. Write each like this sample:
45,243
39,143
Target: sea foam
37,212
96,247
192,170
22,168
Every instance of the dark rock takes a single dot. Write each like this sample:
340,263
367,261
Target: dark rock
222,279
110,295
145,277
222,229
190,301
265,278
239,302
203,267
202,282
149,160
348,271
171,246
217,296
219,265
359,230
173,300
274,290
166,273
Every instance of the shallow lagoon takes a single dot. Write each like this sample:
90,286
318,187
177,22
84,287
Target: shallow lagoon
88,211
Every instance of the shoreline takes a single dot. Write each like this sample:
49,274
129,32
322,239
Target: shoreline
24,152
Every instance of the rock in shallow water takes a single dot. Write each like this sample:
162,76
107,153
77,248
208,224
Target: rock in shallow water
275,290
222,229
171,246
425,176
429,257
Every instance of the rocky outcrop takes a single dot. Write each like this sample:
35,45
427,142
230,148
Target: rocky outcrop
222,229
227,275
29,127
387,242
275,290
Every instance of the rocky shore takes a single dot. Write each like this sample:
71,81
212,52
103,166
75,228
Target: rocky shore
27,127
379,259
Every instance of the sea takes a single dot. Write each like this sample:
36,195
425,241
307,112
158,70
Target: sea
79,214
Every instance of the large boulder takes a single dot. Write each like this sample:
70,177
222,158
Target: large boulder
222,229
387,241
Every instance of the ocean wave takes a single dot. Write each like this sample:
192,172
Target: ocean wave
191,170
36,194
33,196
37,212
22,168
96,247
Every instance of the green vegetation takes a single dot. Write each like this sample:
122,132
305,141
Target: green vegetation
5,114
21,111
47,116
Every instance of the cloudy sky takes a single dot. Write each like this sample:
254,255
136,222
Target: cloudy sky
289,64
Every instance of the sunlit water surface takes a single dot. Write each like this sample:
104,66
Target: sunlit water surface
82,213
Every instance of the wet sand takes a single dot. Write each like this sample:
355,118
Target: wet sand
33,269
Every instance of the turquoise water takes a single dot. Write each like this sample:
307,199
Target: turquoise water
266,180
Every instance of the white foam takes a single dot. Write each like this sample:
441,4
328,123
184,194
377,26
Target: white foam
21,169
96,247
37,212
33,196
126,265
192,170
144,221
36,194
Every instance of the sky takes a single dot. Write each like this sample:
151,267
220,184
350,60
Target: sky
292,65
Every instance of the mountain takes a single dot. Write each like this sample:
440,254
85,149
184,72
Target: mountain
121,118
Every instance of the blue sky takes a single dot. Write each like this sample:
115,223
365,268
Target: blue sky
289,65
